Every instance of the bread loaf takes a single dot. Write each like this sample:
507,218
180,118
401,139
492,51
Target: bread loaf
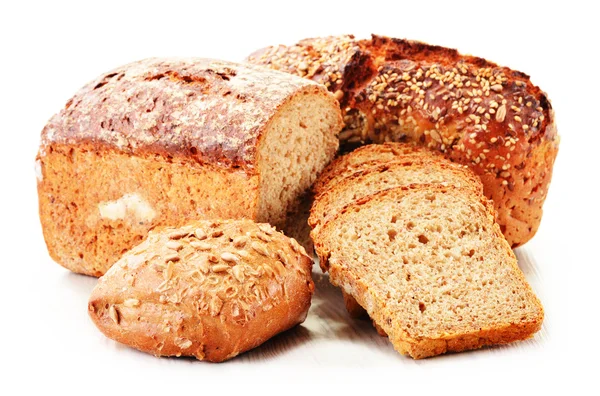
473,111
431,268
167,141
211,290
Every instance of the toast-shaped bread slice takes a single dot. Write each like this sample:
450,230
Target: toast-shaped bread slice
414,170
432,269
358,162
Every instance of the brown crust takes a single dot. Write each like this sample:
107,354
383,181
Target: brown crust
475,112
176,107
178,191
403,342
169,298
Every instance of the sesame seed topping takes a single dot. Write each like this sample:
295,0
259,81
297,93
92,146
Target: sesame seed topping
438,101
501,113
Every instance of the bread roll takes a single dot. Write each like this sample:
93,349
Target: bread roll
167,141
211,290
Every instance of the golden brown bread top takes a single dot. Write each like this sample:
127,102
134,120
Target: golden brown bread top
393,79
475,112
211,289
212,111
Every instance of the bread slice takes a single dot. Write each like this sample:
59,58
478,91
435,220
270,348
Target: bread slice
432,269
363,157
346,174
210,289
415,169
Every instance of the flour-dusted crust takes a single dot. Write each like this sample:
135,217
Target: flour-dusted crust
211,290
474,111
208,110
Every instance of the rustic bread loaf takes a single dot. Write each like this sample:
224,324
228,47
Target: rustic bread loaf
209,289
167,141
427,169
431,268
475,112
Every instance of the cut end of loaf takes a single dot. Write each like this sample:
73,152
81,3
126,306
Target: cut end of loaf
432,269
299,142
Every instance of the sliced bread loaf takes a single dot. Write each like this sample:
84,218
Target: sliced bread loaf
415,169
432,269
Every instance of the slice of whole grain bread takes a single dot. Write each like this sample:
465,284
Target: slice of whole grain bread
432,269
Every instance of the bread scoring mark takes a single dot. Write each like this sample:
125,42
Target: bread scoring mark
177,77
129,205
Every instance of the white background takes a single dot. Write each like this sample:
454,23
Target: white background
49,50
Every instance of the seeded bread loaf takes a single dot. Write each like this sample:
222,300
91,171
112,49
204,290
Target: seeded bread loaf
162,142
211,290
431,268
412,170
473,111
